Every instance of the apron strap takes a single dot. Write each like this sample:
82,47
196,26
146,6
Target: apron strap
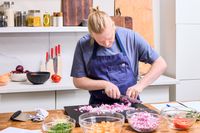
119,44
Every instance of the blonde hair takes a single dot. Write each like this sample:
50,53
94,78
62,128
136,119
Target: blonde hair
97,20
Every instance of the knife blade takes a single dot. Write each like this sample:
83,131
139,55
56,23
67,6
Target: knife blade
125,98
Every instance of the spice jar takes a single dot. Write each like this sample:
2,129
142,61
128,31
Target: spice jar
59,19
18,18
3,22
46,20
55,19
34,19
24,19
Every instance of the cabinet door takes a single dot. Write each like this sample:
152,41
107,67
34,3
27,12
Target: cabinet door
187,11
188,90
71,97
188,51
27,101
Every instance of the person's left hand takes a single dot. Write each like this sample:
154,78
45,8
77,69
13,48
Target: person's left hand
133,91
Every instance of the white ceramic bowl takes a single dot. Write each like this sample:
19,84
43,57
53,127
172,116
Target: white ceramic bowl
18,77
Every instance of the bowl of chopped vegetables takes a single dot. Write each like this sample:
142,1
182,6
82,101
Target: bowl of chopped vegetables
179,118
104,122
59,125
143,120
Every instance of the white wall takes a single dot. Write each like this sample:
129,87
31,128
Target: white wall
15,49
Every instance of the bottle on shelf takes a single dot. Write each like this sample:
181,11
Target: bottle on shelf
9,13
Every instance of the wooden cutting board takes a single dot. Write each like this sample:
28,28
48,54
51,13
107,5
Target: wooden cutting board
74,11
123,21
142,15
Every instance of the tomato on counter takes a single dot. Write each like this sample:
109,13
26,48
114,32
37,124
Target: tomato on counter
56,78
182,123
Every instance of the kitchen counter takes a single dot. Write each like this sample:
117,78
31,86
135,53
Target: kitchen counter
50,96
65,84
5,122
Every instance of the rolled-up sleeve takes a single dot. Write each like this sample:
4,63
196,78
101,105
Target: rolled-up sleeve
78,67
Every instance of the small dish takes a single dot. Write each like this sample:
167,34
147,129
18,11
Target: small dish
18,77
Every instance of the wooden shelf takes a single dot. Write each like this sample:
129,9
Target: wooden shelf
43,29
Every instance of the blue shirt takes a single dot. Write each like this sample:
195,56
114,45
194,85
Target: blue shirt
137,49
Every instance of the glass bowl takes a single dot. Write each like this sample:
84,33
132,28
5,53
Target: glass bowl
60,125
106,122
179,118
143,120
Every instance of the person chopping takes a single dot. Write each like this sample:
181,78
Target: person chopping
106,61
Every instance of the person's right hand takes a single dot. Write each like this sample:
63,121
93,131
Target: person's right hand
112,90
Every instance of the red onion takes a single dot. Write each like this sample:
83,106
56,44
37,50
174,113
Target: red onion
144,121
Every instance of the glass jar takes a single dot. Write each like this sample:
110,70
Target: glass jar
3,22
46,20
34,19
18,19
59,19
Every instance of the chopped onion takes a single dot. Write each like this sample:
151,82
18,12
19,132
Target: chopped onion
144,122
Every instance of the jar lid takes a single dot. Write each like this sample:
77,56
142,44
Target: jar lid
59,14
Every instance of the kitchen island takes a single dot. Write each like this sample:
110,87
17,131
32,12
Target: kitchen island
163,128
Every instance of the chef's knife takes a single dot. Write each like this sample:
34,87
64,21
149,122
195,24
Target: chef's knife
55,60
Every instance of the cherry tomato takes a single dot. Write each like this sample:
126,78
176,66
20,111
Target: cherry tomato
182,123
55,78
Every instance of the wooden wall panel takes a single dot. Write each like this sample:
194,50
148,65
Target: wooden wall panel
142,15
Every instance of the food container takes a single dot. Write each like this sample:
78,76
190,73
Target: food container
18,77
101,122
59,125
38,77
34,18
143,120
180,118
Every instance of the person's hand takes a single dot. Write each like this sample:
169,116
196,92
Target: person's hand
112,90
133,91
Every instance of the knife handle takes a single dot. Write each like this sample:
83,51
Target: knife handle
17,113
58,49
52,53
47,56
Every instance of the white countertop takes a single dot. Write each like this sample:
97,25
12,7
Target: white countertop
65,84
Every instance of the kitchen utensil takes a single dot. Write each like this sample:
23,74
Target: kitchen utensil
50,63
126,99
75,11
21,116
59,61
55,60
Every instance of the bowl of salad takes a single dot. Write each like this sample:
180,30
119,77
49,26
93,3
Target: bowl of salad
59,125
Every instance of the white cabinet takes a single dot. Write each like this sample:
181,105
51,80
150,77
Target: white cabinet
187,11
12,102
188,51
180,38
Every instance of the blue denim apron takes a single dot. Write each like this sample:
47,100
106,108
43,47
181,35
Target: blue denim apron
114,68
